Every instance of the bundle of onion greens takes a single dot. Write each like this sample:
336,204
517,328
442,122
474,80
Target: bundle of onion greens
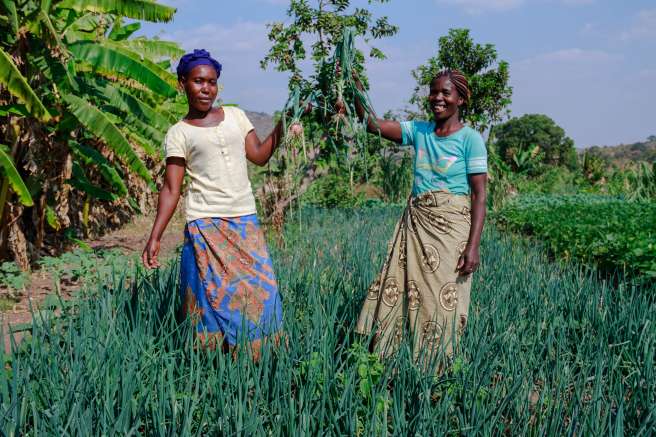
334,96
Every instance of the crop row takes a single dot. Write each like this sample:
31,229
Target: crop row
611,232
548,350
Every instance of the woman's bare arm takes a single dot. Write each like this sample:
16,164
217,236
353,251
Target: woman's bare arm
167,202
388,129
470,259
259,152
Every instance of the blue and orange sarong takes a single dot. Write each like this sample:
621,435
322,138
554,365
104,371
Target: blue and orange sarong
227,282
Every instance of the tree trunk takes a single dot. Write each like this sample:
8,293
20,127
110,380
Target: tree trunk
275,212
16,240
279,208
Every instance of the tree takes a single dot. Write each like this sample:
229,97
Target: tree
536,137
84,106
489,84
323,24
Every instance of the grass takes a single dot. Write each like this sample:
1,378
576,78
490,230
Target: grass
549,350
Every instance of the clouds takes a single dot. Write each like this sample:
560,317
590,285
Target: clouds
476,7
588,92
572,57
577,2
643,28
480,6
239,47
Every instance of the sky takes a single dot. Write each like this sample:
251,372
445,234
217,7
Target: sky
588,64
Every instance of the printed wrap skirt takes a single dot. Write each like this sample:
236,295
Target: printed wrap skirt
227,282
419,291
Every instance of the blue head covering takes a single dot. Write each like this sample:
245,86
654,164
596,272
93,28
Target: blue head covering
198,57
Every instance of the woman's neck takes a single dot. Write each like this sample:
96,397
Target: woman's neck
195,114
448,126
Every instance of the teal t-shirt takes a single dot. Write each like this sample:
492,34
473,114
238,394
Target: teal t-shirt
443,163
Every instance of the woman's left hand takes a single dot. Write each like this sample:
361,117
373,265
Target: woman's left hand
468,261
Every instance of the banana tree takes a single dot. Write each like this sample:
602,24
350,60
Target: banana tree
84,103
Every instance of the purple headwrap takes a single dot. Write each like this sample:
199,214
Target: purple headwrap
198,57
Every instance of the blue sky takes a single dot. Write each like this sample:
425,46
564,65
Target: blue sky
588,64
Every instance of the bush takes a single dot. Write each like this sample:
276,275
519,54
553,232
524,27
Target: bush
332,191
612,232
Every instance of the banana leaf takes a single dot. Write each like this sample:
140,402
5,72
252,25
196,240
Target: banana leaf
79,180
90,156
96,122
18,87
137,9
14,178
115,59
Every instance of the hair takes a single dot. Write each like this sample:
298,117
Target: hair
458,80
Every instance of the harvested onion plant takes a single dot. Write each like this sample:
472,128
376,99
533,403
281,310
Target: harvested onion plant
332,100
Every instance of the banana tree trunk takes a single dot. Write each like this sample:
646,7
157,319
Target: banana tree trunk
16,241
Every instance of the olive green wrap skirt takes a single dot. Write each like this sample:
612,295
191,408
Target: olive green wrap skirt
419,290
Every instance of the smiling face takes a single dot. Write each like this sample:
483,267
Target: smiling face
444,98
201,87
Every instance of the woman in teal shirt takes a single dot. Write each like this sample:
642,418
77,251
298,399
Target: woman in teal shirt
425,283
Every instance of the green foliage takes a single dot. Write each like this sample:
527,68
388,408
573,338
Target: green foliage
533,139
325,24
102,127
13,178
91,157
333,191
626,153
87,266
12,79
338,140
548,350
593,167
637,182
395,174
113,57
137,9
611,232
13,278
488,78
96,84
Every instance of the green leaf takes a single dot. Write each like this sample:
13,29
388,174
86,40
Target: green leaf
155,48
91,156
12,17
132,105
113,59
120,33
17,86
137,9
99,125
6,110
79,180
147,145
14,178
51,218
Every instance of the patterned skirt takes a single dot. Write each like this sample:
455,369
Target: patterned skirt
419,291
227,282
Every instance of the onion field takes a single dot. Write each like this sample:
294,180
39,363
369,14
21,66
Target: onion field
551,348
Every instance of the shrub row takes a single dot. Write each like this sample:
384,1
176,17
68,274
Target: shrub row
611,232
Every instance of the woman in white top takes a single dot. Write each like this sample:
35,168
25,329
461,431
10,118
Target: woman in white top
227,282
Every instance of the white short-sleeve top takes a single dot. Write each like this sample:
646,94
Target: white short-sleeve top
215,160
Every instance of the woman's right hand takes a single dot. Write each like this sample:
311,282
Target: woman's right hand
149,255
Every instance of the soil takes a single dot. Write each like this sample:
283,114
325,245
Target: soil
130,239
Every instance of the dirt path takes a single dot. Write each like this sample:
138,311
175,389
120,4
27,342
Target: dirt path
130,240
